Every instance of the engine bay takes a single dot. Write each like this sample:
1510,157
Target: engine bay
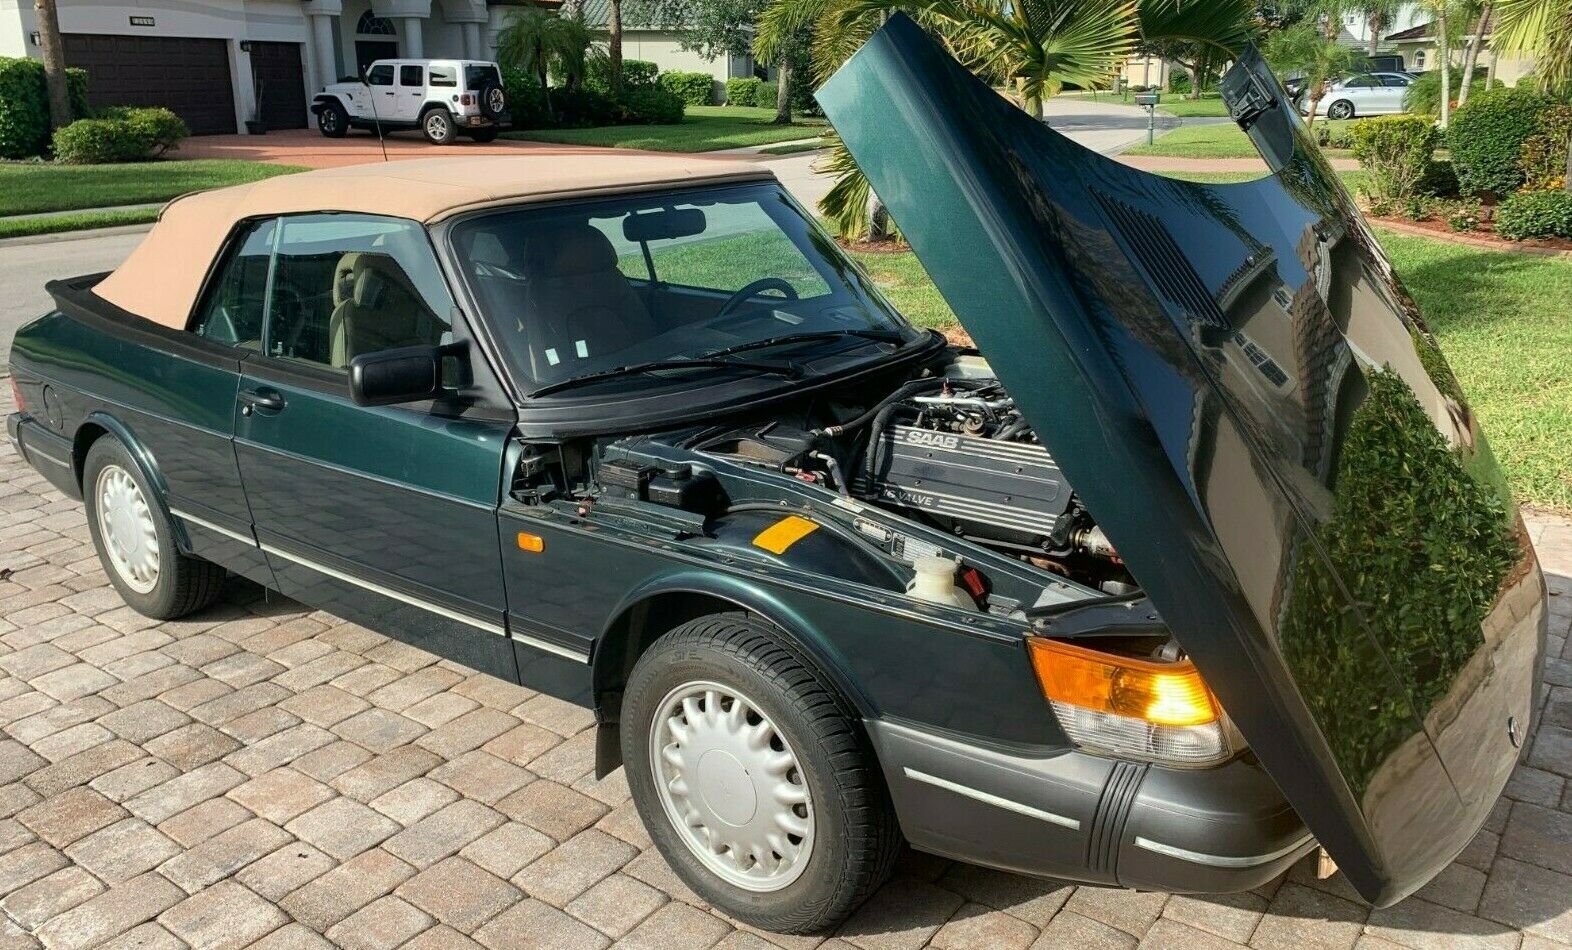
946,449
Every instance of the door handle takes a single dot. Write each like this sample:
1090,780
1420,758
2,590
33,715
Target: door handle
265,400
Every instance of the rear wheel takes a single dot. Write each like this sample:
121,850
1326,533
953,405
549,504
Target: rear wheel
333,121
438,126
484,135
1341,109
136,540
752,777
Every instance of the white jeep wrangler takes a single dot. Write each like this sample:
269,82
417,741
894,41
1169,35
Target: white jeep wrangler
444,98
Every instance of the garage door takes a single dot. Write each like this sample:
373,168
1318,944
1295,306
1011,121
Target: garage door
189,76
281,81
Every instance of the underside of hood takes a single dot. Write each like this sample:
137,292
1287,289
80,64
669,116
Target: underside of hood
1253,409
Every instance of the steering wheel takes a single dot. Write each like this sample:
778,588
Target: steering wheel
753,290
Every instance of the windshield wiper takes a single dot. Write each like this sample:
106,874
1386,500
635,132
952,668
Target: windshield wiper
789,370
883,336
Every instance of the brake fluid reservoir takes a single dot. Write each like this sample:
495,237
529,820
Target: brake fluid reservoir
935,583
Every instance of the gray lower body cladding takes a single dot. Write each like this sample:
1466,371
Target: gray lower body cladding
1083,817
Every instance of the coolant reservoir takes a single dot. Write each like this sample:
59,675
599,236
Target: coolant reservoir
935,583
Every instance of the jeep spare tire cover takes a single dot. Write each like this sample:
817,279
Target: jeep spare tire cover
493,101
1255,412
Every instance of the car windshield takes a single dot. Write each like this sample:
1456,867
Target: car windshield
585,288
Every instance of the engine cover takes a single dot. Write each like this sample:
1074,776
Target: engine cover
1013,486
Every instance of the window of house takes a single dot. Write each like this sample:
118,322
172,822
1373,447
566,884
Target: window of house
370,24
1419,59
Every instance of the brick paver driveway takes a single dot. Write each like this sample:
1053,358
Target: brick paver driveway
263,775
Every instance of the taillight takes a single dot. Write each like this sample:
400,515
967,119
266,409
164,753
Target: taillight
466,100
16,395
1128,706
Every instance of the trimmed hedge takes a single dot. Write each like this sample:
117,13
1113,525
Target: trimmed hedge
1486,137
653,106
1529,214
694,89
1544,155
636,74
24,106
764,97
1396,151
123,135
743,90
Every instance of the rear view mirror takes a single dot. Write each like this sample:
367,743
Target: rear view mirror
389,377
663,225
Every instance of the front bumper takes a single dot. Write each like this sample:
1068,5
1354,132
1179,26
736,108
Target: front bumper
1089,818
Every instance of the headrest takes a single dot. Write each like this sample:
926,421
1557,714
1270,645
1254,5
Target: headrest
570,248
344,278
373,274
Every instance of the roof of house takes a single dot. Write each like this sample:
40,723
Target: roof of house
163,276
1425,31
597,13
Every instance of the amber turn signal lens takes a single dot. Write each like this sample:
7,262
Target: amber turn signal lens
533,543
1167,694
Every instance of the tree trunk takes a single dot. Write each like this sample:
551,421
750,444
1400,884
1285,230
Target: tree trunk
1444,50
614,46
1376,23
878,221
1317,93
54,63
1566,179
1471,55
1195,81
783,92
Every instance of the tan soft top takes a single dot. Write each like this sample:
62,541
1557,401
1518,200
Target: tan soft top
162,277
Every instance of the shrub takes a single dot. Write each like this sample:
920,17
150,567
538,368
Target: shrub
101,142
694,89
743,90
1424,94
1544,155
1334,134
583,106
766,95
163,129
653,106
636,74
1463,215
1486,137
1535,214
1396,151
24,106
526,99
1440,179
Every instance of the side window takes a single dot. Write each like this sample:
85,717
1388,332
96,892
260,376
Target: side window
411,76
347,284
1361,82
444,76
232,311
380,75
1398,81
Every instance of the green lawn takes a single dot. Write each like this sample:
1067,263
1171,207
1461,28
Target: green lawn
74,221
1209,105
1214,140
702,129
1503,319
29,187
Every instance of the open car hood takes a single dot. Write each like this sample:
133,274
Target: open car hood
1251,406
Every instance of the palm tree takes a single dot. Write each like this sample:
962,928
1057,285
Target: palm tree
49,40
1306,49
1379,15
542,43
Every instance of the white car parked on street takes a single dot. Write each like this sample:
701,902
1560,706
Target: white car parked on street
1362,95
443,98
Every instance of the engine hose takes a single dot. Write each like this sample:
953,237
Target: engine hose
907,390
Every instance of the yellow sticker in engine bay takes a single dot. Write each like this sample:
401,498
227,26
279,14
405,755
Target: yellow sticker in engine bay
783,534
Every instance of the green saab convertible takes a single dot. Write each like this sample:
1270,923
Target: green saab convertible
1202,563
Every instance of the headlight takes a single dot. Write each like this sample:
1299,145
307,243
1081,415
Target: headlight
1132,707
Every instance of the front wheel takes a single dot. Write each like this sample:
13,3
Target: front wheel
1341,109
438,127
333,121
752,777
136,540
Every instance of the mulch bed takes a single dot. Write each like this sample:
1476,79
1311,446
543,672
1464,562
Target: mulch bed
1485,236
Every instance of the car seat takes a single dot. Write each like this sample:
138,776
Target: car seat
376,307
580,305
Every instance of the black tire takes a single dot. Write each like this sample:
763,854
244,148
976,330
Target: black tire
333,121
493,101
437,125
1341,109
484,135
184,584
856,837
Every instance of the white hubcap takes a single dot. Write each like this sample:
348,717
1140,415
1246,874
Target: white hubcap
731,786
125,523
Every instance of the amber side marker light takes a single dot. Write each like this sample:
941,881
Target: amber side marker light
533,543
1164,694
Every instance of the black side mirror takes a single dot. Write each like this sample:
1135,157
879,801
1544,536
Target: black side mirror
409,374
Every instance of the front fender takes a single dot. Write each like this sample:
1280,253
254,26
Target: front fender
756,599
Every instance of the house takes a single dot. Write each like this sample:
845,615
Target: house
661,44
1417,46
216,63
